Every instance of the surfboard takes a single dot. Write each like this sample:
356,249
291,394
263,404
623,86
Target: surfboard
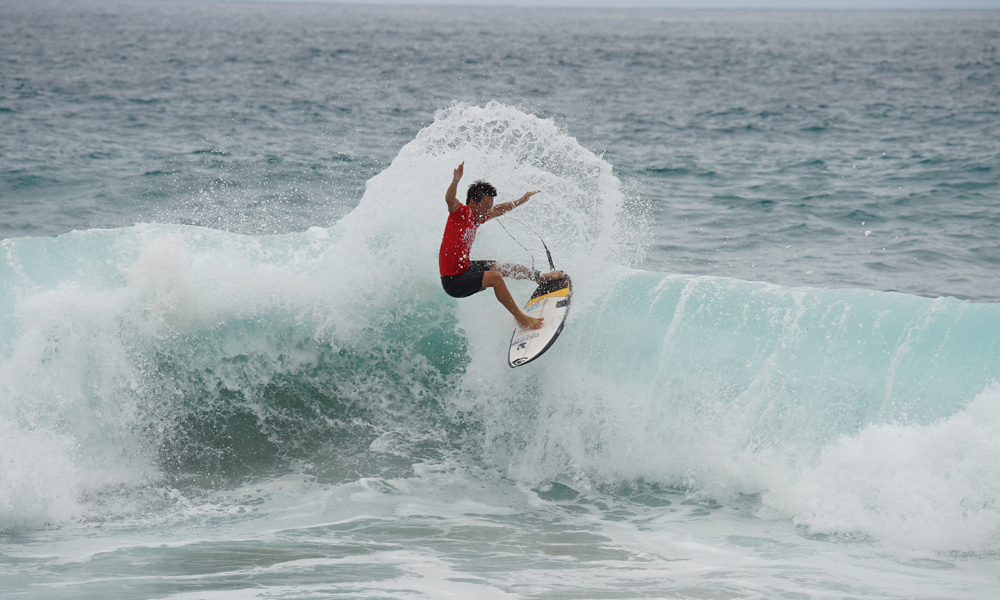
551,302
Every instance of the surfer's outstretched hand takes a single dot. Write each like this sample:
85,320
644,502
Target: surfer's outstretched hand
551,276
459,171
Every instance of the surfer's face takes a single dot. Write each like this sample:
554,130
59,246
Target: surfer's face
483,206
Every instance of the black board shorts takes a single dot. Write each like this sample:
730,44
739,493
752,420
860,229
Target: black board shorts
466,284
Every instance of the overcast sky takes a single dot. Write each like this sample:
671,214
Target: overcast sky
741,4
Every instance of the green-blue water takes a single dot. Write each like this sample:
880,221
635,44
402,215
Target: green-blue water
228,370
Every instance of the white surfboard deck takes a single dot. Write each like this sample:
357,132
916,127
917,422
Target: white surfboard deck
550,301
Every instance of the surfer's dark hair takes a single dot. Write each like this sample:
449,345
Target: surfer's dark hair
479,189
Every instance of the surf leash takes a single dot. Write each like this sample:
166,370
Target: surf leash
547,253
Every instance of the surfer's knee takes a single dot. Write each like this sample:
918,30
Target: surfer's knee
492,279
501,269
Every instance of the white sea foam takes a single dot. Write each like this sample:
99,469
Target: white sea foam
39,480
931,487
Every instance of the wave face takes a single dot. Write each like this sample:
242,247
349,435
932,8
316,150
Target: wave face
143,363
848,411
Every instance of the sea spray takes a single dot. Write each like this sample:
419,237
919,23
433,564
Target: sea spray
182,354
39,480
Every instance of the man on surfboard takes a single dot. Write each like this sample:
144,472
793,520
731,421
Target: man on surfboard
461,277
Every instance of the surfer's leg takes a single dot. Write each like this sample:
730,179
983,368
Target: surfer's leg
494,280
513,270
522,272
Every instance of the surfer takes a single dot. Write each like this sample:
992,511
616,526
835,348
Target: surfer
461,277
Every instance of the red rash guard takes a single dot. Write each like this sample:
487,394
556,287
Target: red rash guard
459,233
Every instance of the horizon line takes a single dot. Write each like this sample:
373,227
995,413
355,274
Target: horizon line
669,5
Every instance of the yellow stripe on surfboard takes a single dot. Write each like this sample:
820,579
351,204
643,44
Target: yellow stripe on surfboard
555,294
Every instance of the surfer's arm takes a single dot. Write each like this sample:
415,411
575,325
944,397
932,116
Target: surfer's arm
451,195
500,209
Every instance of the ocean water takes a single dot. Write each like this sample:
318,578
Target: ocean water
227,368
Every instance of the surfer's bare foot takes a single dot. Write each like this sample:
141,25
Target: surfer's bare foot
527,322
550,276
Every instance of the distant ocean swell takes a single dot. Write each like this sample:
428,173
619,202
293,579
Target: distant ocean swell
165,358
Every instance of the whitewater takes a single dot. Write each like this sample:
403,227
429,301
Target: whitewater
229,397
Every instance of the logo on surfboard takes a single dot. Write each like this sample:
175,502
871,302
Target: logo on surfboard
524,340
